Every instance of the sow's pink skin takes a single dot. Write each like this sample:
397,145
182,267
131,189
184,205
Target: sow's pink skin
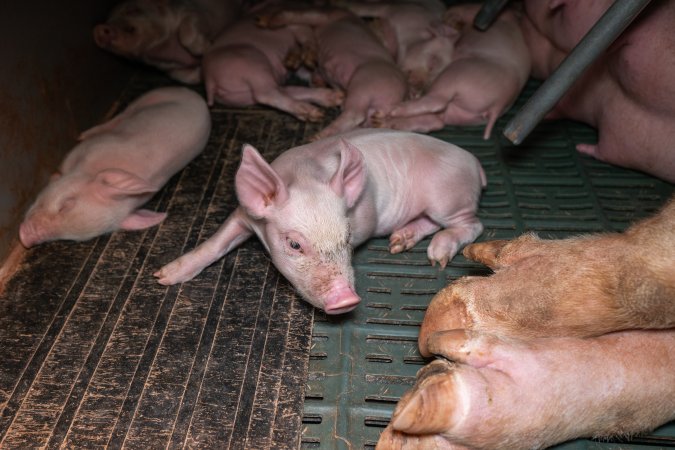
315,202
628,93
118,166
487,73
549,332
487,392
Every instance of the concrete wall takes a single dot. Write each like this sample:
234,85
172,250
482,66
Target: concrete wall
54,83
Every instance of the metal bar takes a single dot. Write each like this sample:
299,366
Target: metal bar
488,13
596,41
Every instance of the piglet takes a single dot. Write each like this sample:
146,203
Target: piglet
118,166
487,73
415,34
171,36
350,58
315,202
246,66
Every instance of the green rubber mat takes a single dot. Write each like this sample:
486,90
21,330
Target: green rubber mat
362,362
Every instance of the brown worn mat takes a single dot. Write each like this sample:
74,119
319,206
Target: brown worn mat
93,352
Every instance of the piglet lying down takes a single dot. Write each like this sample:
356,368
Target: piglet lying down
118,166
315,202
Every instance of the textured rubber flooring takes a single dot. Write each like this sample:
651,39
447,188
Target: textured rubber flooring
362,363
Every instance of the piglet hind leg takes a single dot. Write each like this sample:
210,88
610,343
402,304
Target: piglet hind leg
422,123
278,98
414,231
325,97
457,233
231,234
490,393
348,119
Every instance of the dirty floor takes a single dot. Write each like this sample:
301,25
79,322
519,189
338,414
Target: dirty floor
94,353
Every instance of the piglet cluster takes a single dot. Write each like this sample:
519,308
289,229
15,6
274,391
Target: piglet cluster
312,204
414,66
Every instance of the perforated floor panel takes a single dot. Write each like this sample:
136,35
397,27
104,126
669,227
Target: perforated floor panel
361,363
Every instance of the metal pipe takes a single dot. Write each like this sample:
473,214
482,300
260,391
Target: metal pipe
596,41
488,13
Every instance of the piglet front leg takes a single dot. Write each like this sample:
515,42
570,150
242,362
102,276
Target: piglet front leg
231,234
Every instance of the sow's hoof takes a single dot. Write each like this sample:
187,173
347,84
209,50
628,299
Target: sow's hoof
487,392
582,286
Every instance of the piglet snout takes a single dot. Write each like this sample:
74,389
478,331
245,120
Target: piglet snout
104,35
27,235
341,299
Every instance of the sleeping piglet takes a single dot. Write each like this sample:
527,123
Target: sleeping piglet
118,166
315,202
487,72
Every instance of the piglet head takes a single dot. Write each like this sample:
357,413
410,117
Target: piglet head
77,207
304,225
427,58
134,26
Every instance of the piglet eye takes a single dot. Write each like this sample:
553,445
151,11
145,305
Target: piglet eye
294,245
67,205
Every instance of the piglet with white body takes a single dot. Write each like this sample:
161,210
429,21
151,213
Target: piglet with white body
118,166
488,71
315,202
349,57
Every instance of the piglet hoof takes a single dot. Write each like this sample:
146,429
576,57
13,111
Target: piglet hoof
378,120
164,277
400,241
442,262
264,21
336,98
441,250
175,272
311,114
293,60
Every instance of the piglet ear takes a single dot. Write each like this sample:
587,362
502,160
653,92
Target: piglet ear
142,218
445,30
350,178
553,4
118,182
258,185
